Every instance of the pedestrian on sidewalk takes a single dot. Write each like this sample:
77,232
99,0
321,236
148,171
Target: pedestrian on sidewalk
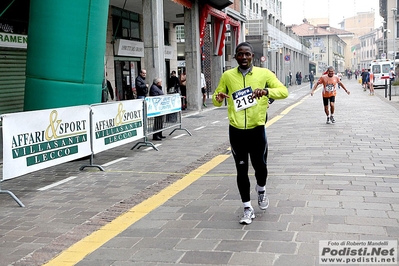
173,84
392,75
299,78
329,82
365,78
244,87
290,74
371,82
156,90
203,89
311,79
183,82
141,86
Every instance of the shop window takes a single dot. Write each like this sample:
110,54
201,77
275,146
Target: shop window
180,33
166,33
14,17
126,24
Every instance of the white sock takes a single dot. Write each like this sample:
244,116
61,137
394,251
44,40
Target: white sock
247,204
260,189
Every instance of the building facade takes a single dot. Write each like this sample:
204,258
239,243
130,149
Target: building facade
325,44
276,46
369,48
390,27
360,24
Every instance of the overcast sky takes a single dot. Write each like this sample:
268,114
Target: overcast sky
294,11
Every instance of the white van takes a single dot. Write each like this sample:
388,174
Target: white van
380,69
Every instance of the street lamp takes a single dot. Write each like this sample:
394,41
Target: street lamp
394,33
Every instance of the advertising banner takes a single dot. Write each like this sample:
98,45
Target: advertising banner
40,139
162,105
115,124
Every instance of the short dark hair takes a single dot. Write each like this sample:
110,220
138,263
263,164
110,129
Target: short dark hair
247,44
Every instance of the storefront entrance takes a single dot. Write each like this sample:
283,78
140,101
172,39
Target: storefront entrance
126,72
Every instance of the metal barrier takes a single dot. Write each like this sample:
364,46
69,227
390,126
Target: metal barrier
159,118
69,133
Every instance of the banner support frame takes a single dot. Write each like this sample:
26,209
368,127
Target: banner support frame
12,196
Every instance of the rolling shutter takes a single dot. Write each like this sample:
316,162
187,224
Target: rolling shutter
12,79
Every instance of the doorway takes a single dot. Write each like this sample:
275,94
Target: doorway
126,72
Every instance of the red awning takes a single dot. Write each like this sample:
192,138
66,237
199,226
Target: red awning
220,34
185,3
216,13
220,27
202,23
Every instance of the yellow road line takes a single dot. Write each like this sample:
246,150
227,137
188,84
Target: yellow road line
283,113
84,247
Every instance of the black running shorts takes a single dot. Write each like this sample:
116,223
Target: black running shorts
331,99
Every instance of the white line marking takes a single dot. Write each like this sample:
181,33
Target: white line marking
114,161
57,183
151,148
215,122
179,136
198,128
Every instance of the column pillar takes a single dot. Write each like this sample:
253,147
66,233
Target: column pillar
192,56
264,37
65,62
153,35
216,61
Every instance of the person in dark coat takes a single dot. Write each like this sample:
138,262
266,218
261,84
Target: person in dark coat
174,83
156,90
299,78
311,79
141,86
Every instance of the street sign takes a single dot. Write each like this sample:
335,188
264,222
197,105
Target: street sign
276,45
287,57
263,59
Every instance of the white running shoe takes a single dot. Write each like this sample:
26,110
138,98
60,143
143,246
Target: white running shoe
249,214
263,201
328,120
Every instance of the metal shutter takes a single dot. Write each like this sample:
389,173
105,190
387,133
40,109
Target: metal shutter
12,79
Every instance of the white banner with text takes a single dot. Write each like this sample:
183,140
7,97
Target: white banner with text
162,105
115,124
39,139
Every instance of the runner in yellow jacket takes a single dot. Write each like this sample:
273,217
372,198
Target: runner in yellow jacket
247,89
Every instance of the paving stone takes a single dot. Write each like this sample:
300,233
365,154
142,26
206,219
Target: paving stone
197,244
323,204
284,260
206,257
340,212
221,234
238,245
359,229
372,221
278,247
156,255
240,258
367,206
269,235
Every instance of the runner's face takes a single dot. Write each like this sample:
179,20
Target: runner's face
244,57
330,73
